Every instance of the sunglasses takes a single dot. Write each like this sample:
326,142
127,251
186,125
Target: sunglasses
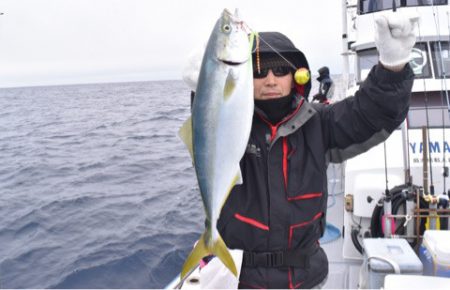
278,71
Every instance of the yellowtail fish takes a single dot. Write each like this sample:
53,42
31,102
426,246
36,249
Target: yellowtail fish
219,128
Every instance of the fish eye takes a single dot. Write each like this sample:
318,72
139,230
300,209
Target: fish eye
226,28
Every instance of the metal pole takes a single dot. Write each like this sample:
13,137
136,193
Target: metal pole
345,52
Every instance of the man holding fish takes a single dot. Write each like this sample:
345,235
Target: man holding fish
261,152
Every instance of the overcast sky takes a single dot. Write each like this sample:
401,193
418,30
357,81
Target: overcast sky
46,42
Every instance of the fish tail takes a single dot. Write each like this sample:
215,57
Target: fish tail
200,250
221,251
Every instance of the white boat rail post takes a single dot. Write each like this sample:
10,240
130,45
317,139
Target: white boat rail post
348,8
345,51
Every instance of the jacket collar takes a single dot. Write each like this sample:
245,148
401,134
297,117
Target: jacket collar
302,112
299,118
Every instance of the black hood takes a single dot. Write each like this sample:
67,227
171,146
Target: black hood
324,72
270,41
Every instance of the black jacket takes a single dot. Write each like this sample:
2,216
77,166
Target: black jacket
325,85
281,205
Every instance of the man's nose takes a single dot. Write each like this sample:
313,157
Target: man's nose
270,78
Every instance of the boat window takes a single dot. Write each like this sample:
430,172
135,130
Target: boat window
369,6
366,60
420,61
425,2
417,118
420,64
441,58
435,103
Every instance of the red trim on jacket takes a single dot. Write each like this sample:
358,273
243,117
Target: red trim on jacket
291,285
273,131
251,222
293,227
306,196
291,281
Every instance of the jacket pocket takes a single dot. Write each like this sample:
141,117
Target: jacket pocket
244,232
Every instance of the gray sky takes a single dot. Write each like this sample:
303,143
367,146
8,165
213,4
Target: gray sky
45,42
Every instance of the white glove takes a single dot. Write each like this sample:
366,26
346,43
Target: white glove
191,70
395,37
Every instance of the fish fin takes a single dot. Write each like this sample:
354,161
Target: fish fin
236,180
200,250
185,134
239,179
230,85
221,251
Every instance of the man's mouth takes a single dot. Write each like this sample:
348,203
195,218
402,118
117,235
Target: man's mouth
271,94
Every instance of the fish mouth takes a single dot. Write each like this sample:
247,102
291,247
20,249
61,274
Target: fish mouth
231,63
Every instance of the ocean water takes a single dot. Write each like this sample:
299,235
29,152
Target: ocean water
96,188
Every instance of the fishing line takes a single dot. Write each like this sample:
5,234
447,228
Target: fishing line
274,50
259,38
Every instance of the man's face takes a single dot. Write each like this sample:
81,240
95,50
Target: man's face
276,84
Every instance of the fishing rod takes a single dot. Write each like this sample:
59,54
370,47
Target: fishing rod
426,153
427,161
443,88
387,221
442,200
387,204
